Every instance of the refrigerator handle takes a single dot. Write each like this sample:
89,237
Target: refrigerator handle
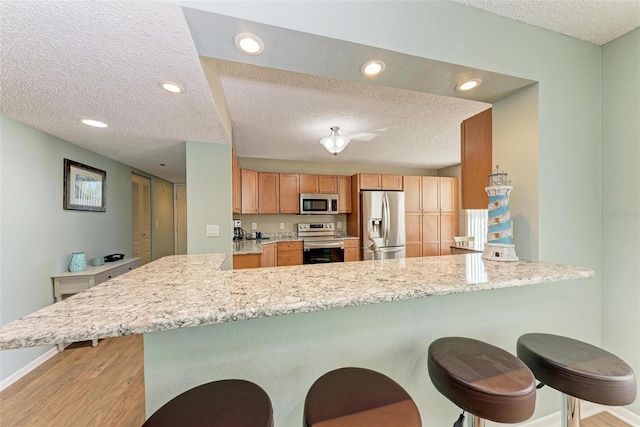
385,218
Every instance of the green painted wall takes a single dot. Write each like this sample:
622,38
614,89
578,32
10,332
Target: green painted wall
209,198
621,199
393,337
37,236
515,149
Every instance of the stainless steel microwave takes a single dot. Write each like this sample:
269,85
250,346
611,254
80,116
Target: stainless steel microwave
318,204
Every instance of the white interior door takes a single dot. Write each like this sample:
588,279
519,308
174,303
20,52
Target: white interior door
181,219
141,205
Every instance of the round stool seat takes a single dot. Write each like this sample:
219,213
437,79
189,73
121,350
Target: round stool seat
483,380
578,369
359,397
226,403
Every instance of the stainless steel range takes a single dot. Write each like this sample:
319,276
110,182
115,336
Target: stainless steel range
320,243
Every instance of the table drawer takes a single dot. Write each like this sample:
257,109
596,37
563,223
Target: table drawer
103,277
72,285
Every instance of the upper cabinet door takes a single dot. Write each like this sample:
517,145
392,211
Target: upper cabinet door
370,181
289,193
391,182
413,194
327,184
476,162
344,194
448,194
308,184
430,194
249,181
269,192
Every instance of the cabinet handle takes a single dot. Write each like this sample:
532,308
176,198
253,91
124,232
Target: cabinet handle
290,259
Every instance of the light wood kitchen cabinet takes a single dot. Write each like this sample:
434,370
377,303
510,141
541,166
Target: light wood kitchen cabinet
268,192
431,214
328,184
249,180
236,181
290,253
344,194
351,250
476,161
369,181
289,193
269,256
314,184
246,261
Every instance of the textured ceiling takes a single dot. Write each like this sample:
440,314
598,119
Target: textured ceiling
594,21
66,60
282,114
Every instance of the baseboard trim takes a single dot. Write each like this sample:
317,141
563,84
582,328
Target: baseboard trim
587,409
27,368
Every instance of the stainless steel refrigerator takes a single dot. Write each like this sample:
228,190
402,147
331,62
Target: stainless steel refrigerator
382,224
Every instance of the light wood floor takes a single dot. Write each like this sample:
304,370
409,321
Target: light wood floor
104,386
82,386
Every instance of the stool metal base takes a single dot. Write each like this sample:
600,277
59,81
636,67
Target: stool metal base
474,421
570,411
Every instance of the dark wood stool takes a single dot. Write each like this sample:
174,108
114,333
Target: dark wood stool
578,370
349,397
226,403
486,381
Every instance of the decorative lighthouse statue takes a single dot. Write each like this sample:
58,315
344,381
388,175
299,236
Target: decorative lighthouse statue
499,246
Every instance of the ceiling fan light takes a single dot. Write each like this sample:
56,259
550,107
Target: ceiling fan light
249,43
468,85
372,68
335,143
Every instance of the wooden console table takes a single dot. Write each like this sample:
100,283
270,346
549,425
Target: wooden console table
69,283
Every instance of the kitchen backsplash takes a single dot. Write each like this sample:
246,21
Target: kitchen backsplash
271,223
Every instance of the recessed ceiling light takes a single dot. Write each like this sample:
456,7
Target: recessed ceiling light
249,43
171,87
469,84
94,123
372,68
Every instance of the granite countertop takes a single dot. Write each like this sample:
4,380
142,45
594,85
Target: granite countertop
191,290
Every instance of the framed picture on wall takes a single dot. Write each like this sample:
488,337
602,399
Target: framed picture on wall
85,188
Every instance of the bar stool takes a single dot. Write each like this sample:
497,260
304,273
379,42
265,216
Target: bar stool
349,397
486,381
225,403
579,371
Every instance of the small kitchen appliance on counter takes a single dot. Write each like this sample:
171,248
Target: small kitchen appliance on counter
320,243
238,232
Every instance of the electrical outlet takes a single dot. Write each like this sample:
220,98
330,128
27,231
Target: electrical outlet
282,226
254,225
339,224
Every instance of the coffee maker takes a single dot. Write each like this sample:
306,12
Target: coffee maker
238,232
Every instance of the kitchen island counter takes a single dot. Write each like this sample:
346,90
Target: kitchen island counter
182,291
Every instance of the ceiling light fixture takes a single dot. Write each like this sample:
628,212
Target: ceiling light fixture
94,123
171,87
249,43
372,68
334,143
469,84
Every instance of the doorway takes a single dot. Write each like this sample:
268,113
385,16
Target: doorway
141,206
181,219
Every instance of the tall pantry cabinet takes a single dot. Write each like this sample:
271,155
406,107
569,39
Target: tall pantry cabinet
431,214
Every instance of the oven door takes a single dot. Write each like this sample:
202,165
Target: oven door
323,255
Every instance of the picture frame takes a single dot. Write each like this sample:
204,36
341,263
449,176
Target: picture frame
84,187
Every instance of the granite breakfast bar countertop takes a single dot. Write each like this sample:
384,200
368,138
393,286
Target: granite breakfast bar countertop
182,291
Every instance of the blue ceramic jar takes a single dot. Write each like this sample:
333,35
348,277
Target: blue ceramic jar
78,262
